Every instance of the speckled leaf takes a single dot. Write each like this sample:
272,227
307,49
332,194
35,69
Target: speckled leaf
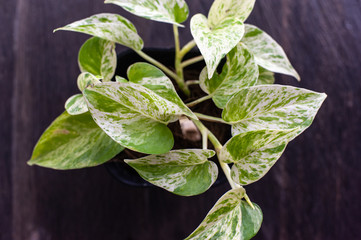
215,42
86,79
73,142
236,9
183,172
238,72
268,53
224,220
272,107
76,105
132,115
108,26
169,11
98,57
154,79
254,153
265,76
251,220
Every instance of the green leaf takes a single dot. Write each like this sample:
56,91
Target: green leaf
183,172
224,220
111,27
265,76
98,57
73,142
120,79
86,79
169,11
239,71
154,79
251,220
223,9
215,42
254,153
268,53
272,107
133,115
76,105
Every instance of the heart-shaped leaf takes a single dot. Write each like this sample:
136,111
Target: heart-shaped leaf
215,42
272,107
254,153
268,53
183,172
154,79
98,57
265,76
76,105
239,71
86,79
73,142
111,27
169,11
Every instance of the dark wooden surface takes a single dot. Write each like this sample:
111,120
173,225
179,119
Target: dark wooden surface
313,192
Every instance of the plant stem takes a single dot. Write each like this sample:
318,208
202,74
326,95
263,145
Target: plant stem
187,48
192,82
202,99
191,61
210,118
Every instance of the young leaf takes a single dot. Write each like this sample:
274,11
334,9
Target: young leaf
272,107
251,220
183,172
268,53
265,76
111,27
76,105
169,11
73,142
215,42
133,115
154,79
239,71
224,220
86,79
98,57
254,153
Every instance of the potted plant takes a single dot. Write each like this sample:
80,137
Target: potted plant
114,113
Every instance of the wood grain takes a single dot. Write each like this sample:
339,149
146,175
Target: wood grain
313,192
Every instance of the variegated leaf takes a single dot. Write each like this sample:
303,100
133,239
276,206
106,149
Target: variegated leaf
154,79
120,79
239,71
268,53
182,172
265,76
86,79
223,9
272,107
224,220
98,57
251,220
169,11
76,105
110,27
73,142
133,115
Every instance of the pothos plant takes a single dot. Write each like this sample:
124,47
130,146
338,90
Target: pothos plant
114,113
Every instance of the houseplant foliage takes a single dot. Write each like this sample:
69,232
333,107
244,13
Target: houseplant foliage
112,113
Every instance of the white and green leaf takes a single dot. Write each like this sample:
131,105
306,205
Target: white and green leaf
214,42
86,79
169,11
98,57
154,79
272,107
72,142
120,79
268,53
76,105
251,220
239,71
108,26
254,153
265,76
183,172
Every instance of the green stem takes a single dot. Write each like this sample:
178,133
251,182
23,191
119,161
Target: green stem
202,99
210,118
187,48
192,61
192,82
